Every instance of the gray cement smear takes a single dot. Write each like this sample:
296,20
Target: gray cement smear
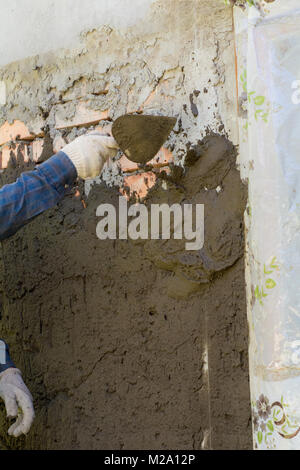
133,344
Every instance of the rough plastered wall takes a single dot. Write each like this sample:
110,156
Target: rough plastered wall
128,344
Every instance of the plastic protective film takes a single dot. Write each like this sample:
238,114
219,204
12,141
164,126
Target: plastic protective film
268,81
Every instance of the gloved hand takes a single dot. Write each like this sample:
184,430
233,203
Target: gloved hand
89,152
18,401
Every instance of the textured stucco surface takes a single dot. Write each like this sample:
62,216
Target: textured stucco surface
137,369
133,344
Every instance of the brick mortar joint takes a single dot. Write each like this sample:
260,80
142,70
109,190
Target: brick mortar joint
144,170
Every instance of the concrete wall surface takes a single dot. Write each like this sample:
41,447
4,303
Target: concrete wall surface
126,344
31,27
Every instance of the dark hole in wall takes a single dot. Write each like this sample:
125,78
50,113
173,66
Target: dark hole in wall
133,344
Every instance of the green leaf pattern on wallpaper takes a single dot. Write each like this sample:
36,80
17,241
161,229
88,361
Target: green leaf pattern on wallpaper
269,283
272,421
262,107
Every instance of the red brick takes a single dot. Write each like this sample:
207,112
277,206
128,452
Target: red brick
36,149
58,143
84,116
7,150
157,96
162,158
127,165
13,131
150,99
139,184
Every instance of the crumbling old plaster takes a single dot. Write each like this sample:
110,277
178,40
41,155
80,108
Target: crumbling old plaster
176,59
170,62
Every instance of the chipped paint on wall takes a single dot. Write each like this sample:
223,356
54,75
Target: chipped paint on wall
171,62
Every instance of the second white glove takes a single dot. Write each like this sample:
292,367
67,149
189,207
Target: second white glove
89,152
18,401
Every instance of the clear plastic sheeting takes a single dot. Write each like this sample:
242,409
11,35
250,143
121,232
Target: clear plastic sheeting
268,76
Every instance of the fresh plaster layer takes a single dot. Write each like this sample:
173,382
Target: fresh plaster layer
132,344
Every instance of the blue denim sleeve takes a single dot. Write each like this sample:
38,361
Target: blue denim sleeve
34,192
5,359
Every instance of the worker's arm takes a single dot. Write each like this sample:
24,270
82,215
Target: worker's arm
38,190
34,192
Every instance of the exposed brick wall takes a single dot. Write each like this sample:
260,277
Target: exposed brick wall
16,141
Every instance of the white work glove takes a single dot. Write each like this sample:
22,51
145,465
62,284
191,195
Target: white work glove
89,152
18,401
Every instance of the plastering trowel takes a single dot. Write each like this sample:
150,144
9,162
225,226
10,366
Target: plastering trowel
140,136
